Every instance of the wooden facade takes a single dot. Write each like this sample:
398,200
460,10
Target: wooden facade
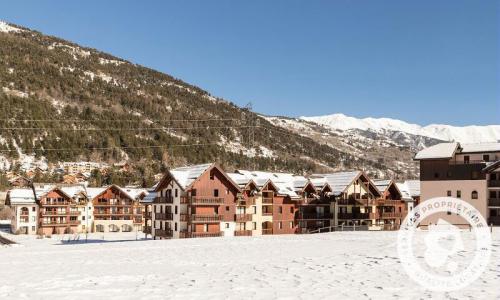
58,213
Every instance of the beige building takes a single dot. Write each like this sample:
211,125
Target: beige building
470,172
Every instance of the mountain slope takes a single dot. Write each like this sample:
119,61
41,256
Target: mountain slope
64,102
467,134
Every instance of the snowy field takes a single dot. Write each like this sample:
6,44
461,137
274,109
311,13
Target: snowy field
355,265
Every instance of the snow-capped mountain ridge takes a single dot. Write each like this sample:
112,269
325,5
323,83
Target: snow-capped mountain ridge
466,134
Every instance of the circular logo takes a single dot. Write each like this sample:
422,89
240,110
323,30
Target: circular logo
446,257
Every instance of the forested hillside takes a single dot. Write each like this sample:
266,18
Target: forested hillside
63,102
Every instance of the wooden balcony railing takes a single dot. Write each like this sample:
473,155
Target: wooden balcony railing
167,233
200,200
242,233
391,215
246,201
204,234
267,200
56,204
493,202
205,218
315,216
243,217
164,199
267,231
164,216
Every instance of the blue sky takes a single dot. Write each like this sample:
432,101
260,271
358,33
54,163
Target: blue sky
420,61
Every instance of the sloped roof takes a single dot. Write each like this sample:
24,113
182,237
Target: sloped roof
382,184
405,192
338,182
439,151
480,147
94,192
413,187
21,196
134,193
286,183
185,176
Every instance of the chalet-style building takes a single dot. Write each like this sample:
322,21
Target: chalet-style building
354,195
391,208
58,212
195,201
470,172
410,193
115,210
23,204
147,204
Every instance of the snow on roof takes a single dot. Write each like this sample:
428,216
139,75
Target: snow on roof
337,181
413,187
287,183
382,184
405,192
480,147
94,192
443,150
240,179
185,176
74,190
134,193
21,196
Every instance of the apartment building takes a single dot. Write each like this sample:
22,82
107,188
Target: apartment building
195,201
25,218
354,195
391,208
115,209
58,212
467,171
410,193
83,167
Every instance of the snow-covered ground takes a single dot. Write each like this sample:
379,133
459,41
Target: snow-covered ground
359,265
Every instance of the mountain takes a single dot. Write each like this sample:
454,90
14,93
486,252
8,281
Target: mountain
467,134
65,102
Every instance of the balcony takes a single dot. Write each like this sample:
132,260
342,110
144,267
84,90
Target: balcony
345,216
242,233
243,218
267,200
316,216
164,216
267,213
493,202
201,234
493,183
166,233
207,201
246,202
494,220
164,200
391,215
147,229
148,215
205,218
267,231
56,204
60,213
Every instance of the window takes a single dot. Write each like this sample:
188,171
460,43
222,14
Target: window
33,208
486,157
193,192
212,176
493,194
175,226
466,159
227,225
448,193
216,193
291,209
83,218
291,224
254,209
32,228
254,225
448,213
280,209
176,210
280,225
227,208
176,192
205,228
475,175
493,176
459,194
474,195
